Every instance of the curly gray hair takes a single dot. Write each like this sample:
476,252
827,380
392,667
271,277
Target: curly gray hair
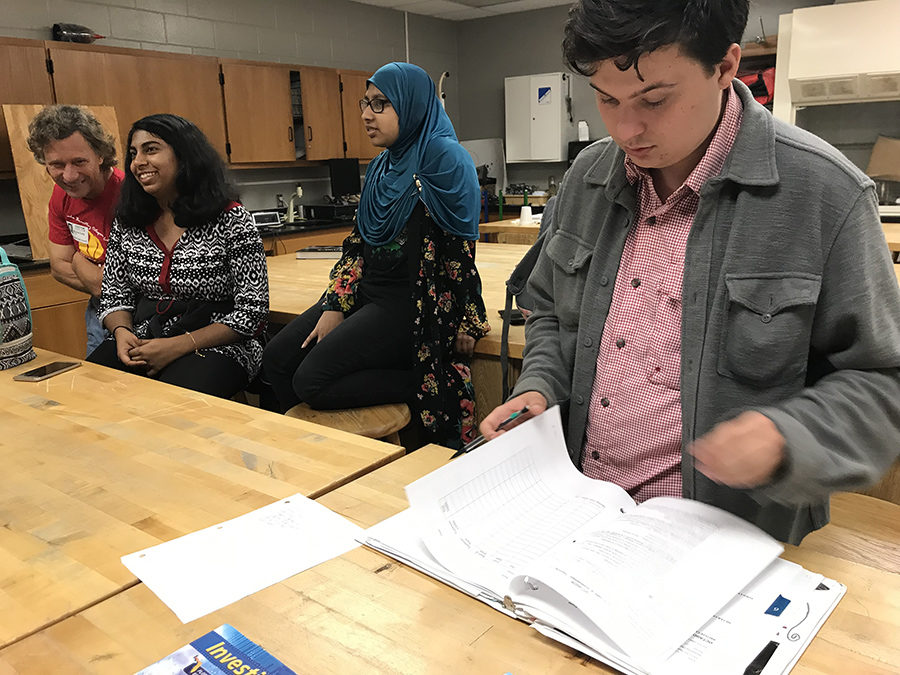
56,122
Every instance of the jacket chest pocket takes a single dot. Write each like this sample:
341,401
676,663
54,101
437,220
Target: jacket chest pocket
571,257
767,326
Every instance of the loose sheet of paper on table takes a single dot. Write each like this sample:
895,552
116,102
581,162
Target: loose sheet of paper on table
203,571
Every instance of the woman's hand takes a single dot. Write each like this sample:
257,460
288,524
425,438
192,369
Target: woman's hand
160,352
329,320
464,344
125,342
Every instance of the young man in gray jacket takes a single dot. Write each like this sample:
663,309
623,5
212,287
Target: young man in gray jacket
714,306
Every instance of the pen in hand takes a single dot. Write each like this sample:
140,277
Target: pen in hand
480,439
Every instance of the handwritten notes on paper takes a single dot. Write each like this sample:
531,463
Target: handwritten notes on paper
203,571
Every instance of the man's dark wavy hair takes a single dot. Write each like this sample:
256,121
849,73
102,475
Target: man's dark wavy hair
203,190
623,30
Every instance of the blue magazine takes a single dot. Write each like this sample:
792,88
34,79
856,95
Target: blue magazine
224,650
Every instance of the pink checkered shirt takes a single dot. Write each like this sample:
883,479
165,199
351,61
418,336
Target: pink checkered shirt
634,421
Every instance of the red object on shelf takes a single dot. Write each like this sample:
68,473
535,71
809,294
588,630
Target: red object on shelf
762,85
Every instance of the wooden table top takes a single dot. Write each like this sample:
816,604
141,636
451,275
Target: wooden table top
295,285
363,612
509,225
99,463
892,235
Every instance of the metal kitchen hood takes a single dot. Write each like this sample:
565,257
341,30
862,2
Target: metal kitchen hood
845,52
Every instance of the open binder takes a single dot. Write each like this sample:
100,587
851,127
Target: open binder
667,586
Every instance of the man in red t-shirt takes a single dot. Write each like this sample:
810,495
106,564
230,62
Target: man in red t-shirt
80,157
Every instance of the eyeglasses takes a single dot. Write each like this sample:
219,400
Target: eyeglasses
376,104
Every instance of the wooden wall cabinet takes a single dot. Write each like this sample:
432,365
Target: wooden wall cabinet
258,112
353,88
23,79
138,83
322,126
272,110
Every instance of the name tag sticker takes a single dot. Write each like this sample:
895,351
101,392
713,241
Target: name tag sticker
79,232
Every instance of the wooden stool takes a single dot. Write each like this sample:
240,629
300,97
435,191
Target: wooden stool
377,421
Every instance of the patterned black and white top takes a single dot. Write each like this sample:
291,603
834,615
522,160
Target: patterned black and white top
223,260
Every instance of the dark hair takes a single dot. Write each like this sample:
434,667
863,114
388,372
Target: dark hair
622,30
57,122
203,191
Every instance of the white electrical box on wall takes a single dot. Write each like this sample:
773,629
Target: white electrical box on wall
538,123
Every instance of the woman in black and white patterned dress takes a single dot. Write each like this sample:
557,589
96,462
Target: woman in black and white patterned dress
185,292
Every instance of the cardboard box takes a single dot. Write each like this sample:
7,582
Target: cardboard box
885,160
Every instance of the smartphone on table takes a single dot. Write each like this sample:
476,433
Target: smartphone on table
49,370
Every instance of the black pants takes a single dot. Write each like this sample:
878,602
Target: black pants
211,373
366,360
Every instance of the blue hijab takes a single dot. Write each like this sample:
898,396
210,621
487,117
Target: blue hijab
426,148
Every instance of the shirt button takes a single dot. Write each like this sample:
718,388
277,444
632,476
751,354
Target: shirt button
651,220
588,342
579,399
571,262
620,343
766,318
604,402
595,454
604,280
635,282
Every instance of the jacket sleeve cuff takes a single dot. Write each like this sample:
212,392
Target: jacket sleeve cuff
532,383
799,478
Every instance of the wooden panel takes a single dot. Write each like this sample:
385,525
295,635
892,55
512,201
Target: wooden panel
353,83
99,463
23,79
321,92
283,244
35,185
516,238
892,235
258,112
61,329
888,487
518,200
488,383
138,83
45,291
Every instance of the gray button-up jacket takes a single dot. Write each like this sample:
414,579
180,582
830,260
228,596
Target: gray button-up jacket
790,306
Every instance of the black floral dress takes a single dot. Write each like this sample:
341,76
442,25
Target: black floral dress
446,301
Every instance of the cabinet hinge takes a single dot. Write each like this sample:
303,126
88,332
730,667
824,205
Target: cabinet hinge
222,78
228,148
49,63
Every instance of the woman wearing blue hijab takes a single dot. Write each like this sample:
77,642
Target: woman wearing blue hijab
403,310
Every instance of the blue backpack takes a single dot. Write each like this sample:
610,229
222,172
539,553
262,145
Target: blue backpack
15,317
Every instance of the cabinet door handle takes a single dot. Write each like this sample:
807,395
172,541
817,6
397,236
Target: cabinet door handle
291,134
309,134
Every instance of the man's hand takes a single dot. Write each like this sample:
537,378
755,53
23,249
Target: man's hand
160,352
743,452
329,320
464,344
125,342
536,405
